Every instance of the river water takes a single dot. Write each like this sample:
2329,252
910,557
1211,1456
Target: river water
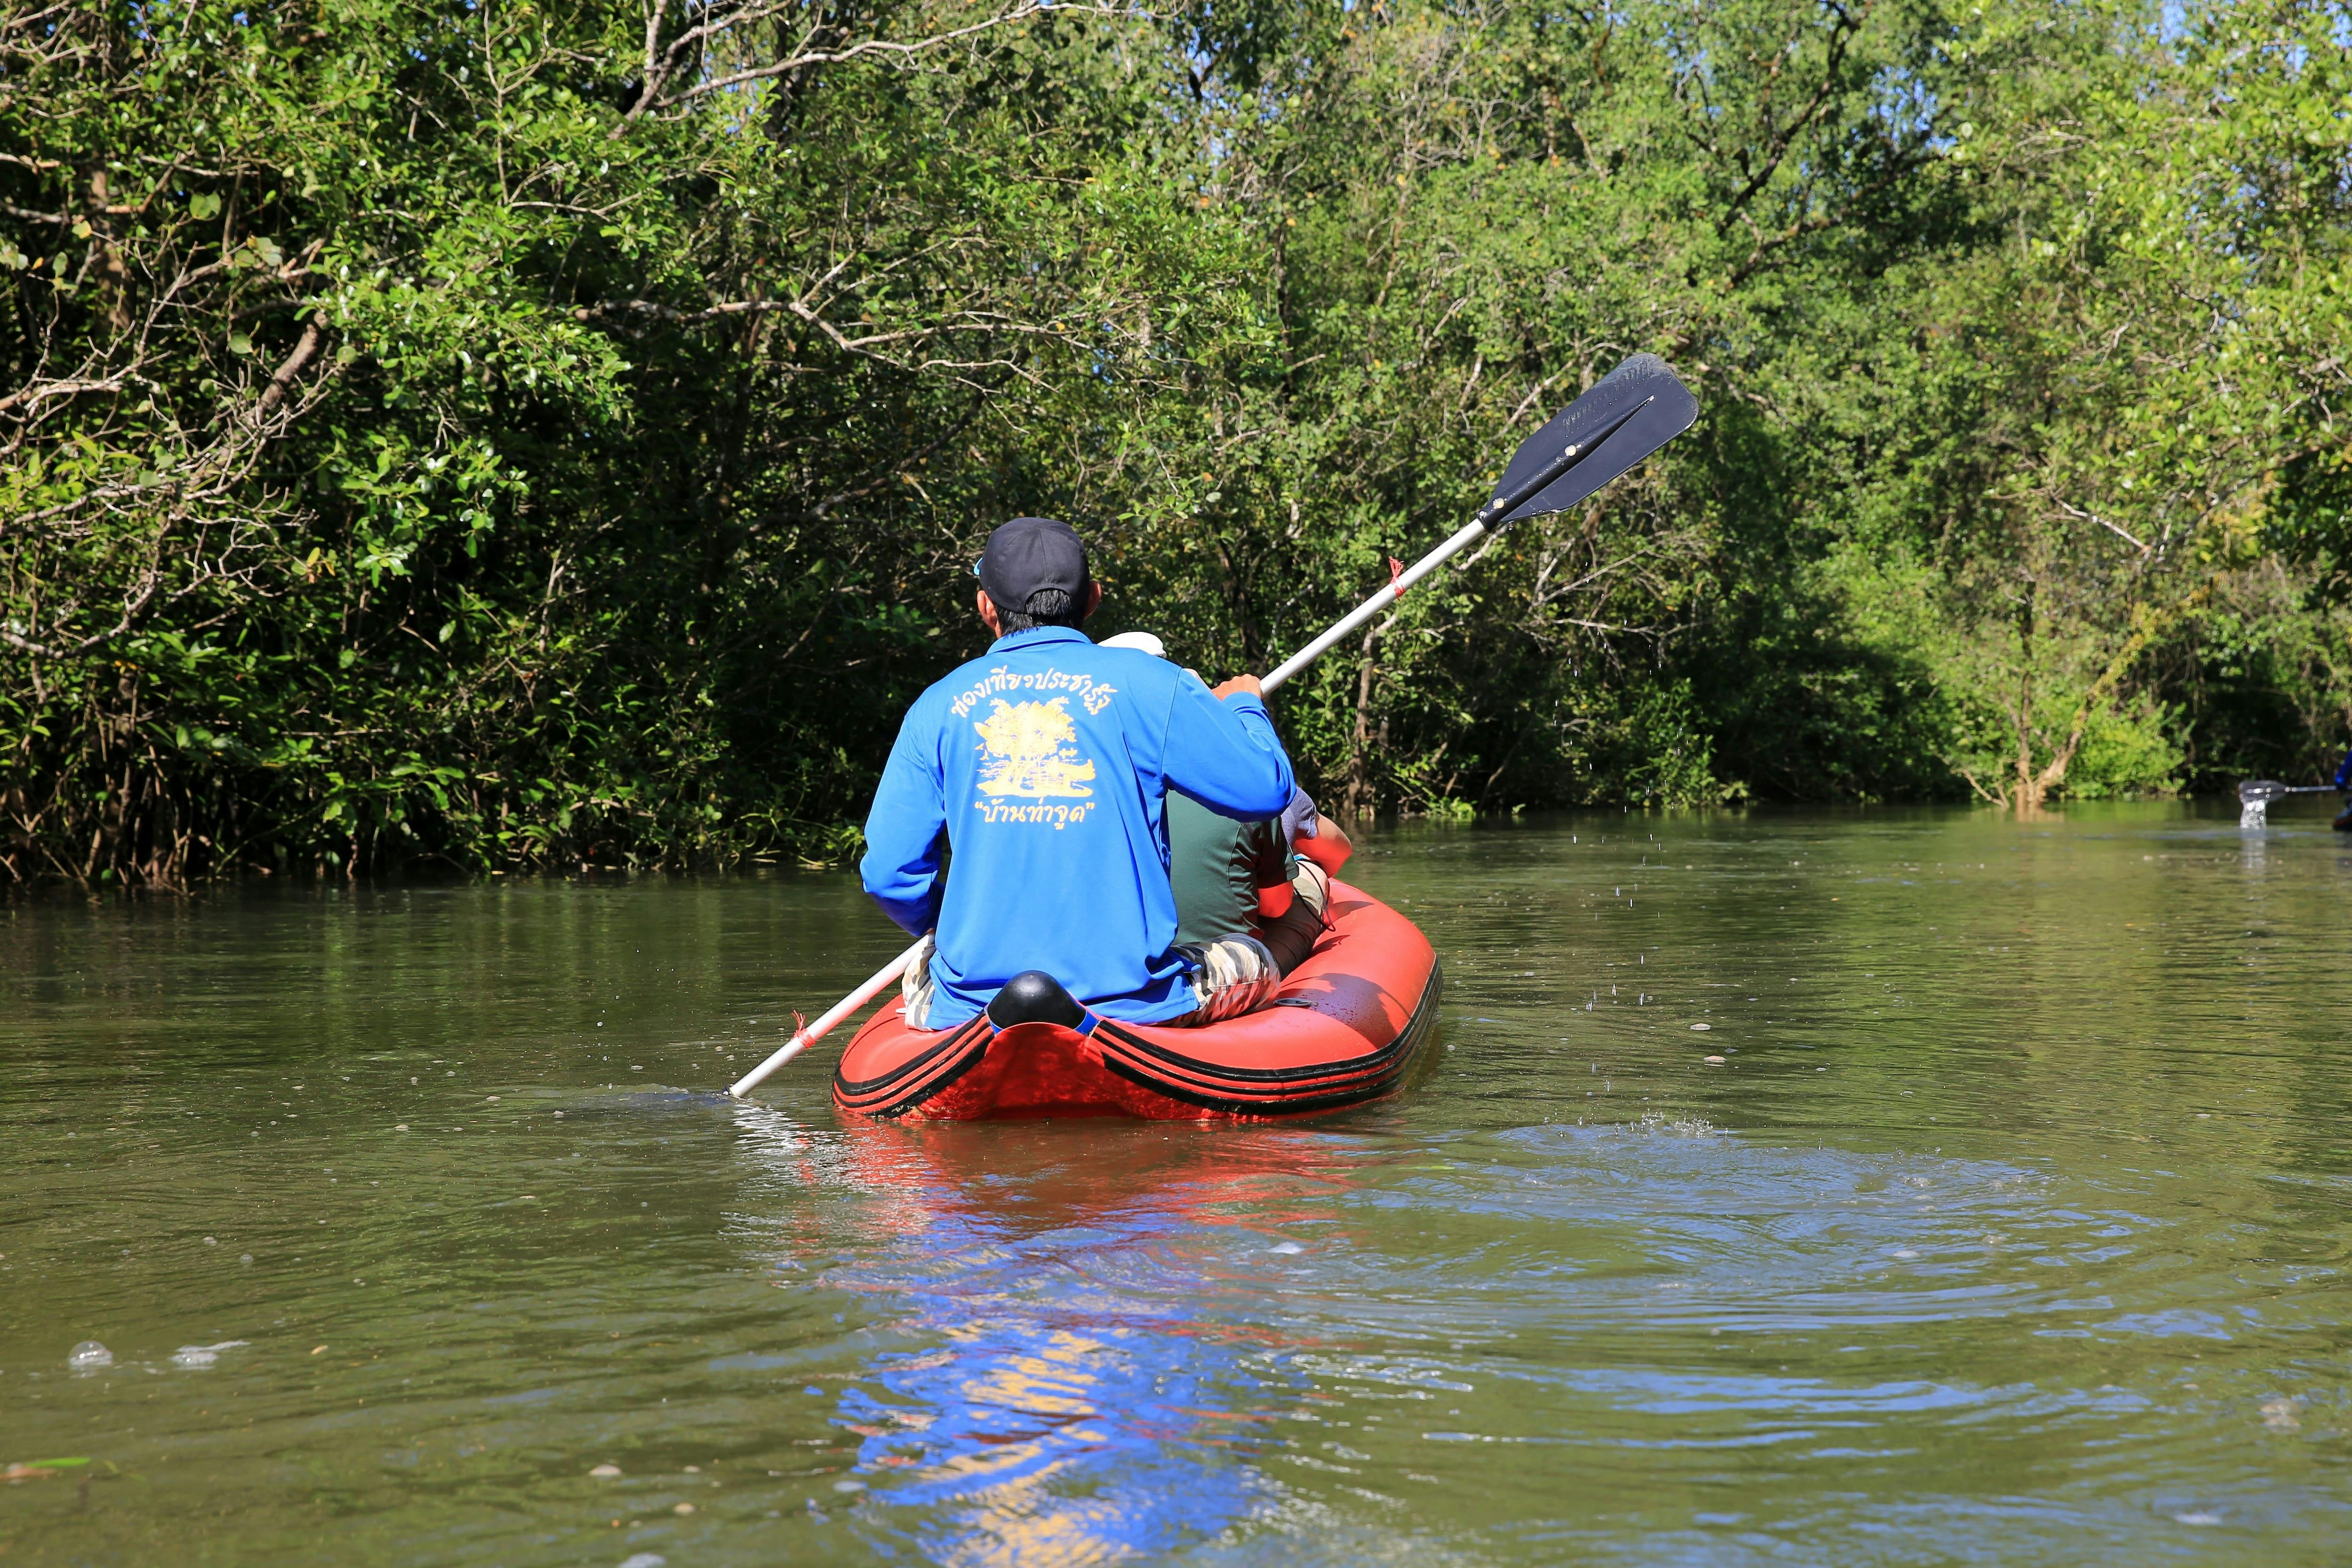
2011,1226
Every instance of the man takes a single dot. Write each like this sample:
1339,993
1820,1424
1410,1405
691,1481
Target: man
1043,767
1270,878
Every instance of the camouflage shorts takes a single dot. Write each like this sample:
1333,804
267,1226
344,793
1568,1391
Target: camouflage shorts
1232,975
915,987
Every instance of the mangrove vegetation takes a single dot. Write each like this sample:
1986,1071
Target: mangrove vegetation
520,435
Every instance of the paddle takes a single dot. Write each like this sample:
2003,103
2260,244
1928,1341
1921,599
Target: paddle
2263,791
1629,412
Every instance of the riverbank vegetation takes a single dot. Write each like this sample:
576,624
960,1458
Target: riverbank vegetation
523,434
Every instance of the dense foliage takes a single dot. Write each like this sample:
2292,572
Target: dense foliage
525,434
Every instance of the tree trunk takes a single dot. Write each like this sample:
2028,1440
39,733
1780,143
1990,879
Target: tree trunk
1361,798
1358,801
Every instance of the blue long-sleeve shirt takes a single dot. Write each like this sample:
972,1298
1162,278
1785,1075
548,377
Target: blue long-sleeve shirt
1045,765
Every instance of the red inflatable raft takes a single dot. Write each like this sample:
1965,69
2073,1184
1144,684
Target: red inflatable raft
1350,1023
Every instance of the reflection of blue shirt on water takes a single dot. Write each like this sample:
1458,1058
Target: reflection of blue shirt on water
1046,764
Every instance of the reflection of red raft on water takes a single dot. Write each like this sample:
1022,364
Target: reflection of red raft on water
1348,1023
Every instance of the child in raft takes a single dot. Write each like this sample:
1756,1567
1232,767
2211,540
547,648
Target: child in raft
1270,878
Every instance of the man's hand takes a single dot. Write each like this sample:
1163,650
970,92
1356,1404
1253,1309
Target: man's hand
1238,683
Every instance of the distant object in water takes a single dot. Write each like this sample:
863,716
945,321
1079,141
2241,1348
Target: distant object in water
2255,795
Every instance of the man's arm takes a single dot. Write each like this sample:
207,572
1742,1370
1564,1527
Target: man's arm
1328,846
905,828
1225,754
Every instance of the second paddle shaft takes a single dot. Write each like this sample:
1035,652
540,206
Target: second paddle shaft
809,1034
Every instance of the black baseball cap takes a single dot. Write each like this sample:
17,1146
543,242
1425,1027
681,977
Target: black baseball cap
1030,553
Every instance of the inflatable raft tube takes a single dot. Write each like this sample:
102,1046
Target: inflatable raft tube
1350,1023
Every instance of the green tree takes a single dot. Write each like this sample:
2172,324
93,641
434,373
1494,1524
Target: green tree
514,435
2104,391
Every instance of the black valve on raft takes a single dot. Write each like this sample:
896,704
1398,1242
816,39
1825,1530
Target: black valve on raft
1033,995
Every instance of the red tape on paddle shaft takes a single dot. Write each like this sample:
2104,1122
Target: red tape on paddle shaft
1396,570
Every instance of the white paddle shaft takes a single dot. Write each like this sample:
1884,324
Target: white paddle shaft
810,1034
1499,507
1374,605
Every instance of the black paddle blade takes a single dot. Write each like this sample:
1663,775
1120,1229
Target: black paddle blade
1643,398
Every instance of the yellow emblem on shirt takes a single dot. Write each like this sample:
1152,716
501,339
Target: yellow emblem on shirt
1031,751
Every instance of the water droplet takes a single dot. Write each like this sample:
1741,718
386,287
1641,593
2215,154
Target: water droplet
89,1356
605,1472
